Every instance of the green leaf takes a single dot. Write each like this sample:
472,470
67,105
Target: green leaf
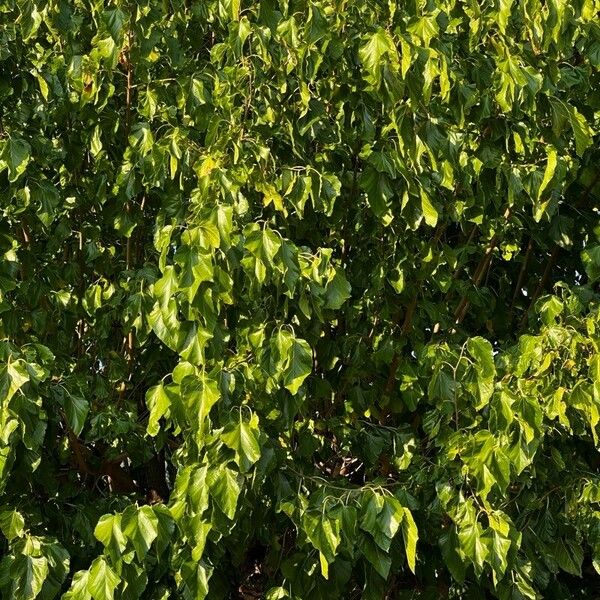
166,286
379,193
208,235
79,587
140,525
264,245
243,440
16,154
323,533
43,85
158,403
499,549
569,556
198,492
195,577
441,386
337,291
165,324
549,309
76,409
380,560
224,489
504,14
193,340
102,580
201,393
448,543
391,516
411,536
485,370
276,593
291,268
472,543
429,211
549,172
371,505
108,531
115,22
28,575
11,524
591,262
165,528
581,130
425,28
372,52
299,365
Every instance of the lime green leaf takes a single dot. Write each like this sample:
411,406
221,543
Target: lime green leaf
581,130
485,371
548,173
549,309
102,580
108,531
323,533
79,587
472,543
243,440
140,525
391,516
224,489
43,85
425,29
11,524
158,403
429,211
16,154
411,536
192,344
299,366
499,549
504,14
208,235
28,574
372,52
201,394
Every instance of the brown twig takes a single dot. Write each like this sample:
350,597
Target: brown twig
479,273
521,277
406,325
120,480
130,340
405,329
542,283
469,240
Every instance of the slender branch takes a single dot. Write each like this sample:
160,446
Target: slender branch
542,283
521,277
80,322
480,271
406,327
469,240
130,340
588,190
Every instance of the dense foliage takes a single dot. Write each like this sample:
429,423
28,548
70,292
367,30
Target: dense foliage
298,299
